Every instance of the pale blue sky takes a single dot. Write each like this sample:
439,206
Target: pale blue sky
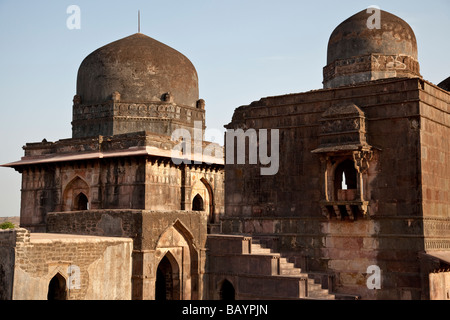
243,50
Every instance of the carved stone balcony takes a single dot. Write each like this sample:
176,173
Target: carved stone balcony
343,209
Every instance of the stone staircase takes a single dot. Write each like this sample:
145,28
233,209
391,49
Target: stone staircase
315,289
257,272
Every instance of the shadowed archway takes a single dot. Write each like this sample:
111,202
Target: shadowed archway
57,288
227,292
197,203
167,286
81,202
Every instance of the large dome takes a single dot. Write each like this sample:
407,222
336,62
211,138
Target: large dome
140,69
359,52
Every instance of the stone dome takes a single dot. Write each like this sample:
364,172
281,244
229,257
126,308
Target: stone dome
140,69
353,38
371,53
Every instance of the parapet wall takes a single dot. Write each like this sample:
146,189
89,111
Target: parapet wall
143,226
86,267
14,237
9,240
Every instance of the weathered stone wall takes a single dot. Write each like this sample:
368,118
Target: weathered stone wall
117,184
286,205
7,259
144,226
435,169
114,118
154,235
252,276
152,183
440,286
92,267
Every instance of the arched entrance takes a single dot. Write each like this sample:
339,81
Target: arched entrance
167,286
176,245
81,202
227,292
75,196
57,288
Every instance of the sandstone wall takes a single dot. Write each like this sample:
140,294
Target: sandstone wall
286,206
435,169
179,234
94,268
440,286
7,258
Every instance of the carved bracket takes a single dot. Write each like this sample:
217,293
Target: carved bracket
362,159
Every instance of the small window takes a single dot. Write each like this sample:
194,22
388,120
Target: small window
346,176
345,181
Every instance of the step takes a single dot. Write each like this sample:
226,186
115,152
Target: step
315,291
293,271
257,249
317,283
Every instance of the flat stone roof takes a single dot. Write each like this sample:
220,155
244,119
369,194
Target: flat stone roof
130,152
53,237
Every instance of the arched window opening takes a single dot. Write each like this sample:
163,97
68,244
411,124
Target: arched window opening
227,292
345,180
197,203
81,202
164,281
57,288
75,195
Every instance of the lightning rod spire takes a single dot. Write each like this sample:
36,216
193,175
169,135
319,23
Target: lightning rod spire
139,21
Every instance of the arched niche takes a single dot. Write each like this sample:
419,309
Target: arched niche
227,291
76,195
202,189
176,245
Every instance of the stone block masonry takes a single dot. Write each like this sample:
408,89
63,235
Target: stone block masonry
84,267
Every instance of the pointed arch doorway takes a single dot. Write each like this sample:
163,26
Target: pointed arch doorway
167,286
57,288
227,292
75,195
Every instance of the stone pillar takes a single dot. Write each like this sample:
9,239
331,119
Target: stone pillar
143,275
186,188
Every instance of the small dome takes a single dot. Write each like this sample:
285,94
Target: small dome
140,69
353,37
360,50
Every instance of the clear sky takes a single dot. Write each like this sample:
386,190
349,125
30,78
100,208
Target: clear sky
243,50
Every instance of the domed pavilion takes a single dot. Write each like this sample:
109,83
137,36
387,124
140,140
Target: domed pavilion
134,168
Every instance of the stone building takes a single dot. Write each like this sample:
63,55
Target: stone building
124,174
364,171
358,209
